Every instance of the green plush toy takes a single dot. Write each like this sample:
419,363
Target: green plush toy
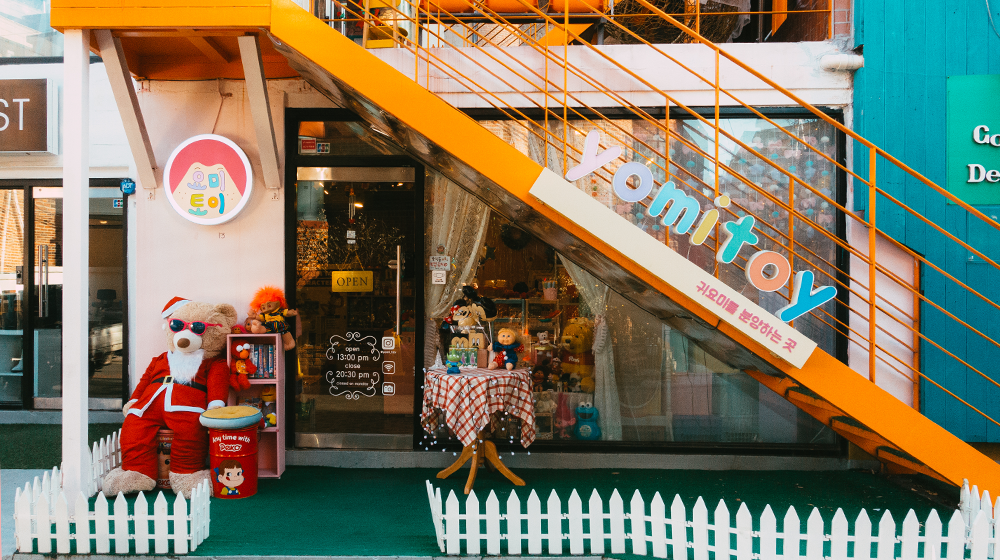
453,360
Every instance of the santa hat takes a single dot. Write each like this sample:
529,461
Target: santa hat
173,305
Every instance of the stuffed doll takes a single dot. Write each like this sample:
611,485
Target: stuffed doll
545,404
506,347
180,384
564,417
268,312
453,360
241,367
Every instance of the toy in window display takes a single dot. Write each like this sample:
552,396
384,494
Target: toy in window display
179,385
541,376
453,360
577,343
574,383
466,354
564,419
268,312
586,422
506,347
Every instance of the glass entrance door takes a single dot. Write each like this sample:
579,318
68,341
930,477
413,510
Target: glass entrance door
12,240
356,293
31,259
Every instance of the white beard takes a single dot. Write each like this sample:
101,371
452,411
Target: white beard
184,365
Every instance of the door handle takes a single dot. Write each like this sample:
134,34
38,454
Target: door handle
43,281
399,283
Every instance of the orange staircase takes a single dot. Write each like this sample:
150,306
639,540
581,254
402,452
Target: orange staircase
443,137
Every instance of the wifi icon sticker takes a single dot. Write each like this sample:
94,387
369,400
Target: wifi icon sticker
388,368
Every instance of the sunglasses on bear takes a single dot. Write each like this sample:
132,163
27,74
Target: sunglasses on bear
197,327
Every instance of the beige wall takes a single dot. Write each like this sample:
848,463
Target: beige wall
219,264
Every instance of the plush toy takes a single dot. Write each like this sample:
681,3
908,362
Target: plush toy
176,388
564,417
468,317
586,422
453,360
545,404
244,328
506,347
268,312
541,376
577,342
241,367
574,383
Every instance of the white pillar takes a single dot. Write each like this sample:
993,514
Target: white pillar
76,250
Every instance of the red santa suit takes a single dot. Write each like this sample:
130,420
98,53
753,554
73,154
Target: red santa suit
163,402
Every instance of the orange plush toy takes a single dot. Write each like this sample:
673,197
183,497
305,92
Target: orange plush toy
268,312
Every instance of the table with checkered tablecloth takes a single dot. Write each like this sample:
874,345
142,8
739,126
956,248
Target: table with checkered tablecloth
472,399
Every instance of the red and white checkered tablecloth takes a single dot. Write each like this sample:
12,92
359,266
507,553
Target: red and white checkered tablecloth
469,399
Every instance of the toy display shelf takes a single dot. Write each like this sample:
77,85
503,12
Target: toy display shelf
271,448
531,321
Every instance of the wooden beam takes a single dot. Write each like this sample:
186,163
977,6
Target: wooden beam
211,49
128,107
260,109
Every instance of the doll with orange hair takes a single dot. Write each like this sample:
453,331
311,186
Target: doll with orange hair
268,312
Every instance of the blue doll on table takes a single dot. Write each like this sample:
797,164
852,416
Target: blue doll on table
506,347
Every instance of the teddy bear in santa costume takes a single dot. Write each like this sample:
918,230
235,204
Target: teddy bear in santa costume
178,386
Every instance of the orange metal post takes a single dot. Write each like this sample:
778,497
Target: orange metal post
872,237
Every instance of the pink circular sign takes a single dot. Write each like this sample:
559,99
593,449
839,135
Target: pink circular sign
208,179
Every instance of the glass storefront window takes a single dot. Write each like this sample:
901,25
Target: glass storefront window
25,31
584,343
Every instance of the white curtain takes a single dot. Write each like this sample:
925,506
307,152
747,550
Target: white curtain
595,295
457,223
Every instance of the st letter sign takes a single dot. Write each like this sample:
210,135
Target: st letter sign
28,121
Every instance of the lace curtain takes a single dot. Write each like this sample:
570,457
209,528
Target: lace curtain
595,294
456,221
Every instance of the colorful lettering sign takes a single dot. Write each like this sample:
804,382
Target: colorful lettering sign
973,138
208,179
727,303
766,270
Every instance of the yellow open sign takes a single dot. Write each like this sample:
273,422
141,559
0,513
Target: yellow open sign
351,281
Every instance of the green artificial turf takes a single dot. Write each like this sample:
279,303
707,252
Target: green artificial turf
314,511
39,446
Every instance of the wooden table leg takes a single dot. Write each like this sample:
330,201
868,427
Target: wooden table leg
477,459
465,456
494,458
482,451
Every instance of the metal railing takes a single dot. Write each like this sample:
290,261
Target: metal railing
546,100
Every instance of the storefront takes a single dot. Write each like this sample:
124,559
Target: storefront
32,241
355,202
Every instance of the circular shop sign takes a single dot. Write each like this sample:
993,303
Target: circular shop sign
208,179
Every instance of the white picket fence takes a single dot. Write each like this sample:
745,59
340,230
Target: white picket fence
644,532
106,455
42,515
972,505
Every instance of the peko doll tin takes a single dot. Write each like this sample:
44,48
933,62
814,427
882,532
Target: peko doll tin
232,450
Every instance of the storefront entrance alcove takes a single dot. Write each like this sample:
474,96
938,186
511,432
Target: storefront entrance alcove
358,217
31,287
